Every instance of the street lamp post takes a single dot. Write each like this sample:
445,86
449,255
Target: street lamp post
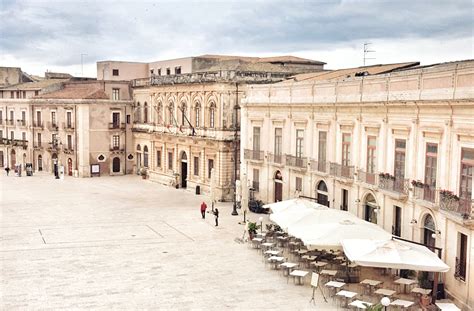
261,223
385,301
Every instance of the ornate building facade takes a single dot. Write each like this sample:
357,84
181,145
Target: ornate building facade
393,146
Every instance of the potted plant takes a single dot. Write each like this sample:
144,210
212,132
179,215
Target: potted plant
252,228
143,172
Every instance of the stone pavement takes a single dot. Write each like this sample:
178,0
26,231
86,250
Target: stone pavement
126,243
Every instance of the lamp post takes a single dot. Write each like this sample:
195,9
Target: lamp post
261,223
385,301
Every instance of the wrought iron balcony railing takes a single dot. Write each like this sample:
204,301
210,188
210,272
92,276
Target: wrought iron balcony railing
300,162
426,193
397,185
53,126
319,166
368,178
116,125
256,155
460,269
38,124
341,171
68,126
461,206
276,158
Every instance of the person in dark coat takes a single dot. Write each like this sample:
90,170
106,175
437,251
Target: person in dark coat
216,214
203,209
7,169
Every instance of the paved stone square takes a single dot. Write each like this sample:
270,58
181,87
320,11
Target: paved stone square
126,243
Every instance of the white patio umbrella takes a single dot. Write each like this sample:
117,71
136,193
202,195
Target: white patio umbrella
326,228
394,254
293,211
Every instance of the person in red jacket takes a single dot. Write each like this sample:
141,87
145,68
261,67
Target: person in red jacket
203,209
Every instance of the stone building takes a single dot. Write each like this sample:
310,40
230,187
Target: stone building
393,145
75,124
186,121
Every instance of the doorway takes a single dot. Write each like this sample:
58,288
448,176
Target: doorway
69,167
54,159
397,225
116,165
322,193
371,209
184,169
40,163
278,186
429,231
12,159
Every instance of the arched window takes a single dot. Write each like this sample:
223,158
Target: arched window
429,231
212,115
145,156
183,113
138,113
197,115
145,112
322,193
139,148
371,209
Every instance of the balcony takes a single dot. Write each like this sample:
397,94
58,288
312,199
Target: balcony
341,171
117,149
9,122
319,166
53,147
276,158
461,206
460,269
53,126
255,155
116,125
21,123
256,185
294,161
38,124
367,178
38,146
425,193
68,150
5,141
68,126
394,185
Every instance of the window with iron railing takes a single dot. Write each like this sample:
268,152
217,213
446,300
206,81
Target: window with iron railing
431,162
256,180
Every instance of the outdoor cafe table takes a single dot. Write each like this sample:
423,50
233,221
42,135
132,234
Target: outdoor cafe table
273,253
421,291
405,282
282,239
318,264
288,266
329,272
359,304
308,258
256,242
385,292
334,284
346,295
300,274
275,260
371,283
402,303
301,251
267,245
447,306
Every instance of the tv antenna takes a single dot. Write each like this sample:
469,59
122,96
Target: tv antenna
367,50
82,64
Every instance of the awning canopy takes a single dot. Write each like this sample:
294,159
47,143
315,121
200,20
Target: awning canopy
393,253
287,212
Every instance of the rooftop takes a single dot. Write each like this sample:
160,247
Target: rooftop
33,85
77,91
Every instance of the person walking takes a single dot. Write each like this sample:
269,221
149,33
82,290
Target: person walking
216,214
7,169
203,209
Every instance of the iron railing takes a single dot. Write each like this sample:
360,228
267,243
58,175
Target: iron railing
342,171
398,185
276,158
319,166
368,178
300,162
256,155
460,269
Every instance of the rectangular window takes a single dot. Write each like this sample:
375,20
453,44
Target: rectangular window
36,93
1,116
12,135
461,258
322,143
346,149
465,184
345,200
210,166
1,134
299,143
170,160
116,120
159,72
12,94
69,119
128,119
38,118
256,180
53,118
116,142
278,141
371,154
152,71
39,139
23,136
115,72
12,115
256,138
431,164
115,94
24,94
397,221
69,142
23,117
177,70
168,71
54,140
196,166
399,165
299,184
158,158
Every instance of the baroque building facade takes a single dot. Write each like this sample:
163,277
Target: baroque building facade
394,147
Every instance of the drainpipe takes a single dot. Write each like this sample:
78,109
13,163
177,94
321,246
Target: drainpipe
75,138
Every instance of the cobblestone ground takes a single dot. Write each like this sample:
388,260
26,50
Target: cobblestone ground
125,243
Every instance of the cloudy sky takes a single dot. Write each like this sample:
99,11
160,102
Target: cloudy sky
40,35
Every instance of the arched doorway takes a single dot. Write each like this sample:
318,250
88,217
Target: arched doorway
322,193
145,156
116,165
12,159
371,209
429,231
40,163
278,186
54,164
184,169
69,167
